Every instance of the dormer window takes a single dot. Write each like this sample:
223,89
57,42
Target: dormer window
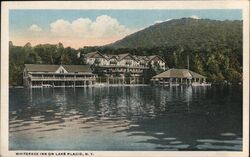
142,63
128,63
113,62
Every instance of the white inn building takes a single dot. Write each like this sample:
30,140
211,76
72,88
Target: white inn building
123,63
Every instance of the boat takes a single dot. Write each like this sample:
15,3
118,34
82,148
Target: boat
201,84
46,85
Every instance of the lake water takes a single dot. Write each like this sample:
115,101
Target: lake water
126,118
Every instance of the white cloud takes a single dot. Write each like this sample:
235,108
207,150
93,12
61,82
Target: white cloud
103,26
81,26
35,28
195,17
60,27
160,21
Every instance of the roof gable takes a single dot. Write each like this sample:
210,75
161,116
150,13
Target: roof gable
61,70
126,56
95,54
112,57
155,57
142,58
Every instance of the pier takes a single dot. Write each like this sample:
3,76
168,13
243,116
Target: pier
120,80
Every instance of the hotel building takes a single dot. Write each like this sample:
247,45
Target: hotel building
122,63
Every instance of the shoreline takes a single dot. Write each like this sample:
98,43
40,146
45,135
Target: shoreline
126,85
96,85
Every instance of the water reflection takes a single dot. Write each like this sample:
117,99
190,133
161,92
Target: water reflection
126,118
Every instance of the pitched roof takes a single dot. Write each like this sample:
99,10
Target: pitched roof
41,67
121,56
143,57
77,68
53,68
179,73
154,56
151,57
196,75
91,54
111,56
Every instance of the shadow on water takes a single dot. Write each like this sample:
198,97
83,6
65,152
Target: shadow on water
170,118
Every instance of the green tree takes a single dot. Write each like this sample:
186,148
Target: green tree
149,73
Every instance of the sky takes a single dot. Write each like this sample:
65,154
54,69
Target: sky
78,28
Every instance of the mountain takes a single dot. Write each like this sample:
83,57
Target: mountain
185,31
214,47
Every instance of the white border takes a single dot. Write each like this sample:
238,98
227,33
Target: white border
6,6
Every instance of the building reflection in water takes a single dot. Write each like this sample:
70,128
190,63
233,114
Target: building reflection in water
169,118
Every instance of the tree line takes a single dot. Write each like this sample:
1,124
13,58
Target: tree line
39,54
217,63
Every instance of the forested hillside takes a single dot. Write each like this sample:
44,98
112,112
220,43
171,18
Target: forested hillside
214,47
187,32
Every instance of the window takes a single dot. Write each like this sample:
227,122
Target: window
113,62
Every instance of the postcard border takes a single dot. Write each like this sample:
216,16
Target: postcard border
6,6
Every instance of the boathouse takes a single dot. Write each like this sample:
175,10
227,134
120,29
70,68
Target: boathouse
179,77
39,75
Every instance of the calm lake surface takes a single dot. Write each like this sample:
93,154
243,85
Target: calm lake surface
126,118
